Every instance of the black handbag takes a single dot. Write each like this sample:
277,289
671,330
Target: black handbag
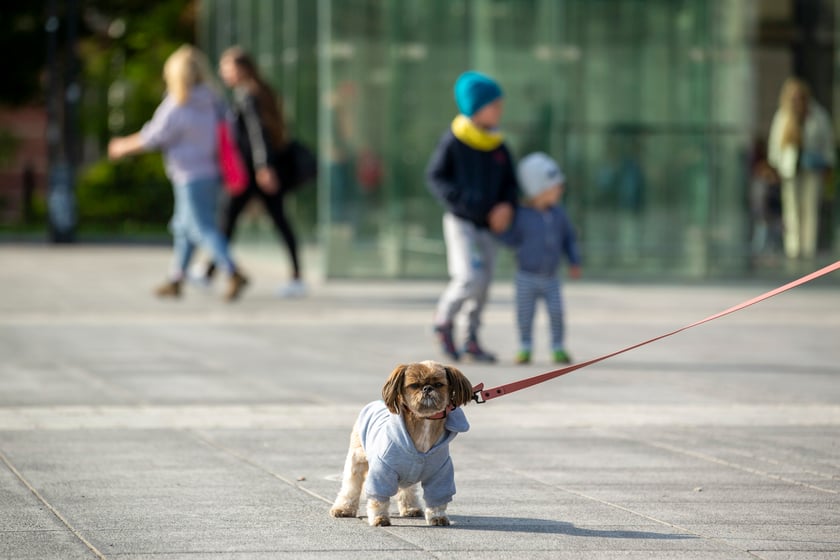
297,165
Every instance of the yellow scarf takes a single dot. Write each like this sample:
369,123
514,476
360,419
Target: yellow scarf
474,136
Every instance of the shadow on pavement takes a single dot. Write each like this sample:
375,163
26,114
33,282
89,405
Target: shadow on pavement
543,526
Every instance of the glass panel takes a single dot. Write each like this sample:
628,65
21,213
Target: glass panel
621,93
648,105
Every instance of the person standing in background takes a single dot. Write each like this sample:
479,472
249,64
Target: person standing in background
542,236
184,129
765,206
620,185
801,150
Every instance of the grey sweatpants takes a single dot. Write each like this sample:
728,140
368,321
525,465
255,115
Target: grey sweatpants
471,259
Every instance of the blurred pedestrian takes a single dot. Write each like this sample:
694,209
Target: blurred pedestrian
28,192
471,174
765,205
184,129
542,236
621,189
801,149
341,155
261,135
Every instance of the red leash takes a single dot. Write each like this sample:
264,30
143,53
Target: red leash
484,395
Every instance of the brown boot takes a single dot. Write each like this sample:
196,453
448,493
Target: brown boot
171,289
236,284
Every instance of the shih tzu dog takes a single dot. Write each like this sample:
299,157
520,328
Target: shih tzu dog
402,441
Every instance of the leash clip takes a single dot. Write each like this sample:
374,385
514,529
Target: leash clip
477,394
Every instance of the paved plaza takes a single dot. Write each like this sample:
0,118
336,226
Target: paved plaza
134,428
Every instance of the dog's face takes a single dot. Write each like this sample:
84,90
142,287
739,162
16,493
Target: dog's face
425,388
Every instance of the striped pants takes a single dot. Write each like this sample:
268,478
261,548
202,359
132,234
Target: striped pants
530,288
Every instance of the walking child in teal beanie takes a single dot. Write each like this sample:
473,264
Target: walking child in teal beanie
471,174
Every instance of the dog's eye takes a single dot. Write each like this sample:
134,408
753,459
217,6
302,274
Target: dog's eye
438,385
414,386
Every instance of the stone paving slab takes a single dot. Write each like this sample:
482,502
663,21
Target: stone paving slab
135,428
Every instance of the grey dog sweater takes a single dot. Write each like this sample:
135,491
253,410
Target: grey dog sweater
395,463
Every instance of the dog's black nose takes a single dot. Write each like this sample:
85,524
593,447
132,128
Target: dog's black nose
427,389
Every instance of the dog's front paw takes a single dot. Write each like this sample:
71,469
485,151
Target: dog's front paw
380,521
438,521
436,516
378,514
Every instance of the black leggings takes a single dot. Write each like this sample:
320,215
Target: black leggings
274,204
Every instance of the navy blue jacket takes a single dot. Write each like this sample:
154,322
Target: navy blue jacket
541,239
470,182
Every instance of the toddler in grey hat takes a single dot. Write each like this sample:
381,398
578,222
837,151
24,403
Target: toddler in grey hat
541,235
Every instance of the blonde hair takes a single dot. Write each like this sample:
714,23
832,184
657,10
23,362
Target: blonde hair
794,120
184,69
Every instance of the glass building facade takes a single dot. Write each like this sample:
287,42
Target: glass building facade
652,107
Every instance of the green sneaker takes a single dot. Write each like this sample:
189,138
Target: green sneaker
523,357
561,357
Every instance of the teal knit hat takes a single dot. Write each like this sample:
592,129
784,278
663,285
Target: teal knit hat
474,90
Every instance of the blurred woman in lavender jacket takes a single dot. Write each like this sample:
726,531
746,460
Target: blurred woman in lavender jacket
184,129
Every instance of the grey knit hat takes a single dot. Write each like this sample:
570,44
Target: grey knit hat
537,172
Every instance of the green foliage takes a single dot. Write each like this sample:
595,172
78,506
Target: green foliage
119,41
131,62
9,144
134,191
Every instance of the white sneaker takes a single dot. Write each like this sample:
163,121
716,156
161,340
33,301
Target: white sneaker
294,289
197,275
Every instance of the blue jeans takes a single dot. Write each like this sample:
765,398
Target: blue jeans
195,223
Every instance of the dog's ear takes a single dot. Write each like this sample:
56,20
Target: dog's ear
459,385
392,390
